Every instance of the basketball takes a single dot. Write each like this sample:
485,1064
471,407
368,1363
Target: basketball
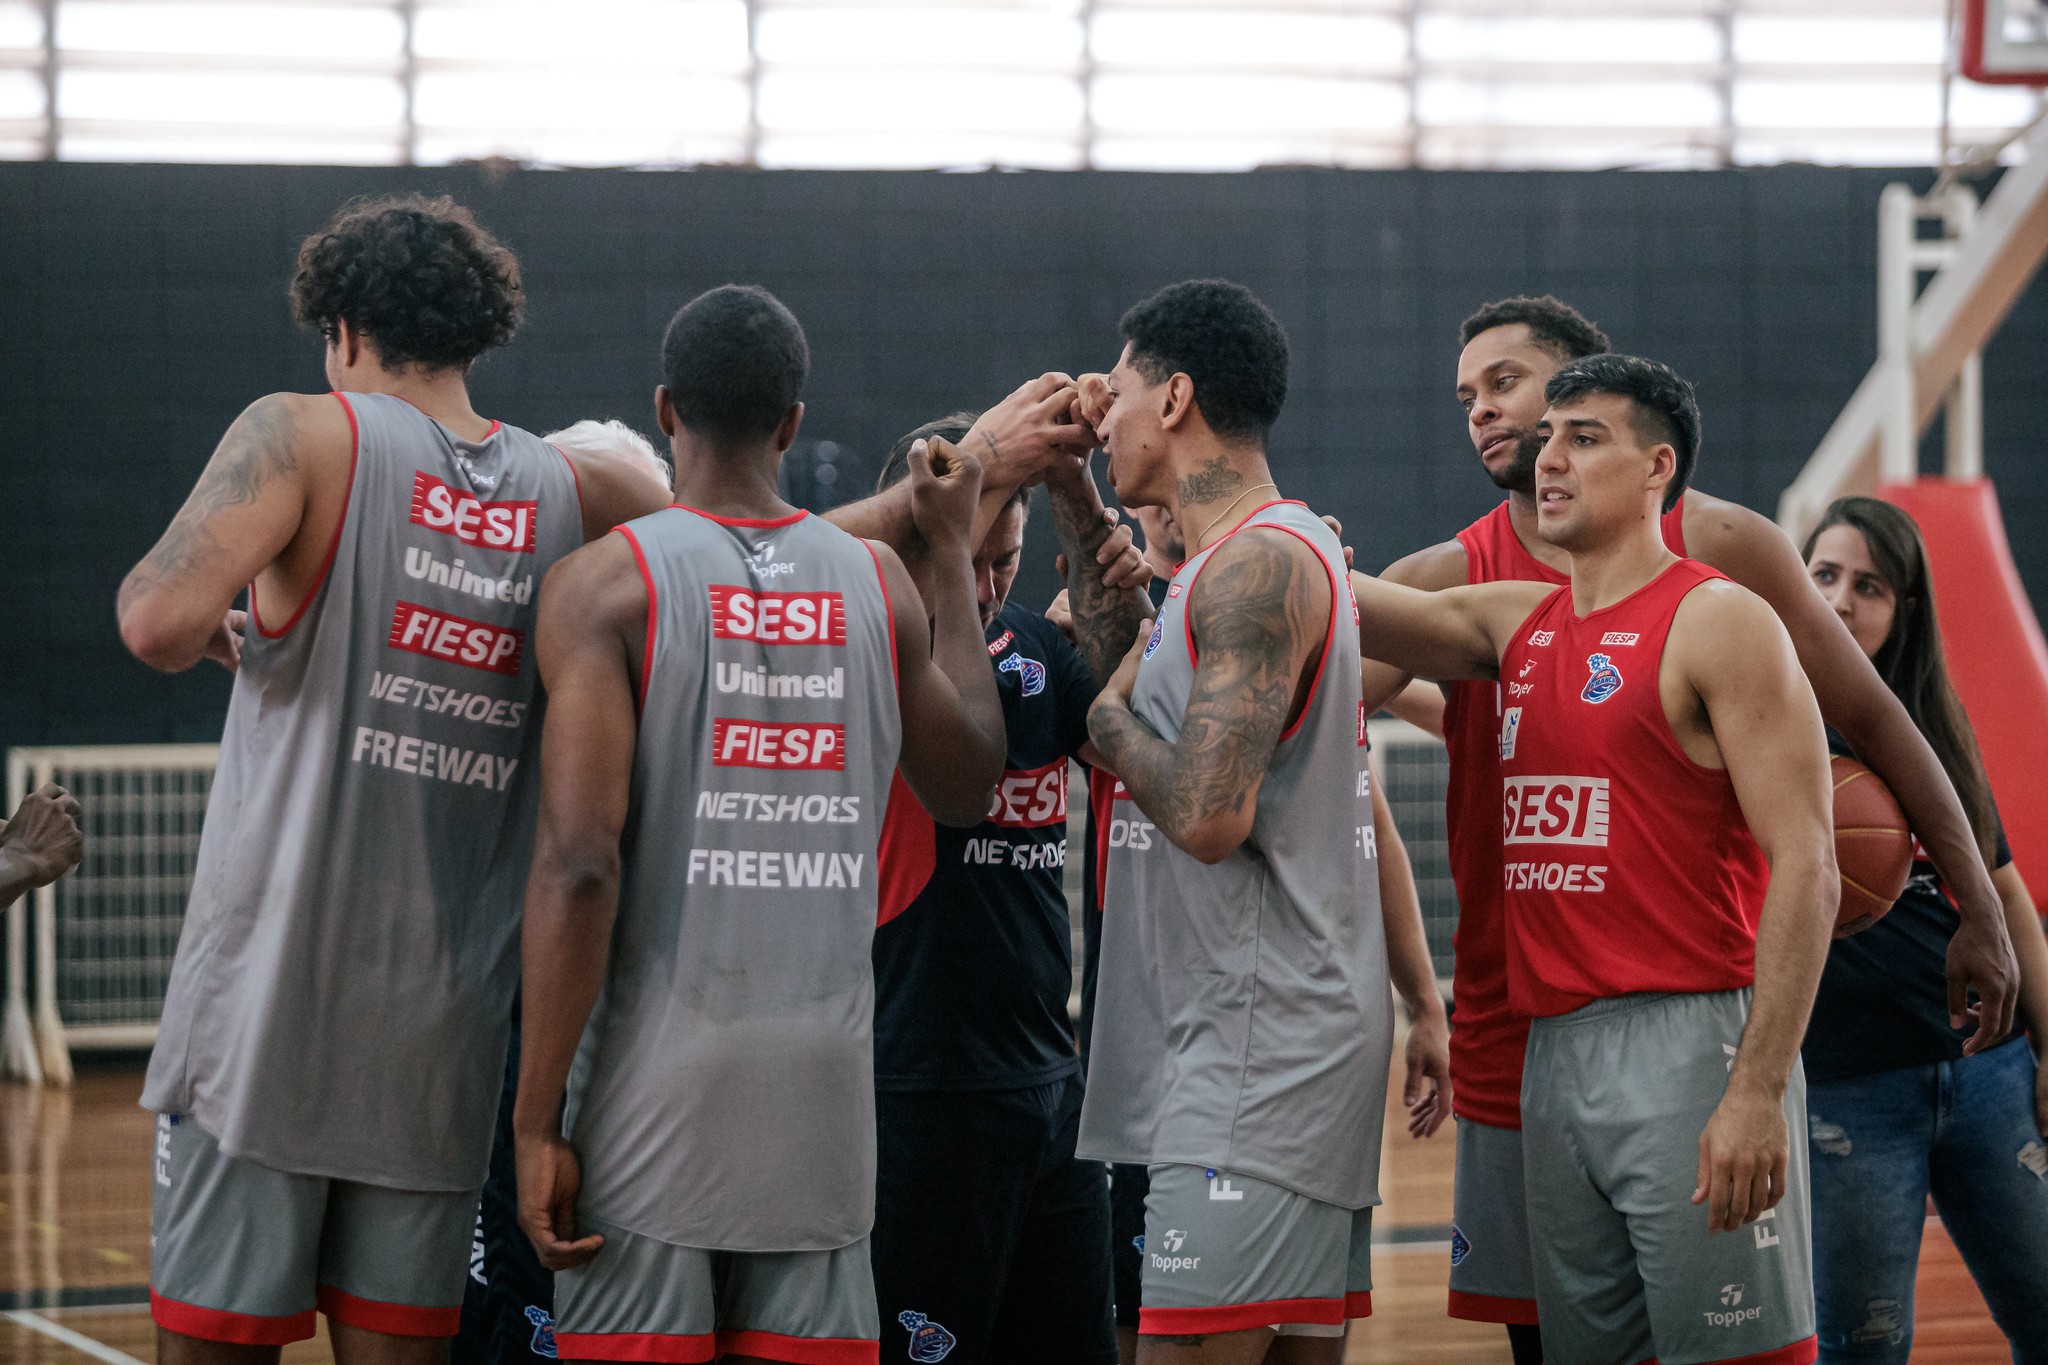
1873,846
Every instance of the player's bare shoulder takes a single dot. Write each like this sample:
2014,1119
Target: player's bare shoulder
1722,628
1263,588
1728,536
596,590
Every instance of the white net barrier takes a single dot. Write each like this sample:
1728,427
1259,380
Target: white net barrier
104,936
1416,770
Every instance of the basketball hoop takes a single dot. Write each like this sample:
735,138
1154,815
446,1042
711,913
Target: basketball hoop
2004,42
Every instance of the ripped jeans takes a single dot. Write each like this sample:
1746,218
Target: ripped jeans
1962,1131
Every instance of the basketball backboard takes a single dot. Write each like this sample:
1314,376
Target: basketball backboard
2004,42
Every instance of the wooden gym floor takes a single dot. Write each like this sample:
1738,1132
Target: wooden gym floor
74,1246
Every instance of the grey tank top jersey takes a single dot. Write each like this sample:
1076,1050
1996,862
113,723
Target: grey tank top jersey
1243,1019
342,992
723,1095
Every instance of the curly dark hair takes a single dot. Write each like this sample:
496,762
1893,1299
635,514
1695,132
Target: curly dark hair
734,360
417,276
1220,336
1662,406
1553,324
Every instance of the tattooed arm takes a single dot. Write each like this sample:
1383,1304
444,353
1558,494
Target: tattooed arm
263,513
1260,612
1103,617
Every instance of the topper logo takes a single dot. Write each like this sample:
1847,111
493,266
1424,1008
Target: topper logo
458,640
487,525
778,618
1555,810
764,744
1032,799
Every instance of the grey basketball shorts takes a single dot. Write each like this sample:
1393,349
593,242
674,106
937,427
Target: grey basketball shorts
642,1299
241,1252
1225,1253
1614,1098
1492,1278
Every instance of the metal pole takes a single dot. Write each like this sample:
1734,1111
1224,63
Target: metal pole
753,82
408,72
1897,213
1963,457
50,123
1087,76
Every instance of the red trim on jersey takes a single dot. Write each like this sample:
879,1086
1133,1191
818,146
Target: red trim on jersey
392,1319
1358,1303
355,448
219,1324
1101,801
653,605
658,1348
752,523
888,610
1238,1317
574,478
1798,1353
906,854
800,1350
1492,1308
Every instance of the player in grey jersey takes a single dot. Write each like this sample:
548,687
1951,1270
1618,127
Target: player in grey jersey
703,894
341,995
1243,1023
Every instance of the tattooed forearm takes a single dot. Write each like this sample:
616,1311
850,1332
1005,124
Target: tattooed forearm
257,448
1257,615
1212,481
1105,618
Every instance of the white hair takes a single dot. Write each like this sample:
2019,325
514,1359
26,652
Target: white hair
611,437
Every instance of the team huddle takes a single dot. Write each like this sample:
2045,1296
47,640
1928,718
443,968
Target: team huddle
741,831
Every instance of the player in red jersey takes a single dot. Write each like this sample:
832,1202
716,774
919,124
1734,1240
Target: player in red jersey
1663,763
1511,349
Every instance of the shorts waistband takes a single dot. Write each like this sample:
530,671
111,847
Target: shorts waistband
1623,1004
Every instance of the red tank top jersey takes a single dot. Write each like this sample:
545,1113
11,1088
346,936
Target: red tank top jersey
1627,866
1488,1038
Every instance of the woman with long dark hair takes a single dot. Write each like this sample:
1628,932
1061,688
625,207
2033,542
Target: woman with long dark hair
1895,1110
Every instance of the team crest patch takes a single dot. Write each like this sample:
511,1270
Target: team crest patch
1460,1248
928,1340
1158,634
543,1332
1604,683
1139,1243
1029,671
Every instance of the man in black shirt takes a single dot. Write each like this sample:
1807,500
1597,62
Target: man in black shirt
991,1240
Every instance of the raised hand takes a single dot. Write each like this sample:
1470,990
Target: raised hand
944,487
1091,399
1018,439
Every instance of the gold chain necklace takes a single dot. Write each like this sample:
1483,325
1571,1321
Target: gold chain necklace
1226,510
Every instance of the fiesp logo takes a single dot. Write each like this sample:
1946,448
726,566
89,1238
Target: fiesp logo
439,506
764,744
457,639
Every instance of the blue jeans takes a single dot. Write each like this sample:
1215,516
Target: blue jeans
1962,1131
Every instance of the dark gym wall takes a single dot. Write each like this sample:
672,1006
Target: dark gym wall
144,306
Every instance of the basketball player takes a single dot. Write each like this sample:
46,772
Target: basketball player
733,683
39,843
1249,1081
1662,760
1414,973
1511,350
333,1032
